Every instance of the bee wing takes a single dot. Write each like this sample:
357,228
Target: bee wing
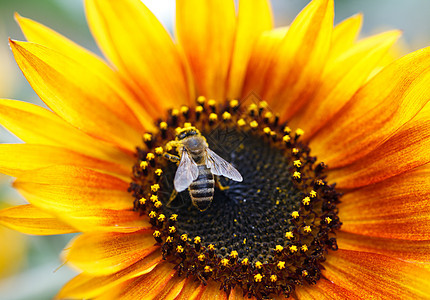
219,166
186,173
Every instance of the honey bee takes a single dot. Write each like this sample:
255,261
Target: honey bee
197,166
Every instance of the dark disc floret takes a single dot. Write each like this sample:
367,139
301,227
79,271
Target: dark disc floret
266,234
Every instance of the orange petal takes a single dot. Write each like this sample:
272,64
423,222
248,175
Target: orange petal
324,290
374,114
77,94
137,44
67,188
408,148
297,65
261,56
343,76
192,290
213,292
98,219
103,253
415,251
255,14
36,125
31,220
159,281
86,286
344,35
40,34
370,275
206,31
16,159
395,208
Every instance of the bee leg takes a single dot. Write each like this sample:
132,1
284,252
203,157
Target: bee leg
219,185
172,197
171,157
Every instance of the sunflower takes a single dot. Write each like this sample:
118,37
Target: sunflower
330,137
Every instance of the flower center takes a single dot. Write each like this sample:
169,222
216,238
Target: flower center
266,233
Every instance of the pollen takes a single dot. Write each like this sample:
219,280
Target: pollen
158,172
184,109
152,214
313,194
142,201
211,247
159,150
241,122
234,103
197,240
213,117
306,201
267,130
279,248
161,218
273,278
163,125
307,229
286,138
174,112
156,233
295,214
155,187
253,124
297,175
144,165
328,220
184,237
226,115
281,265
150,156
258,265
179,249
147,137
258,278
234,254
305,273
297,163
158,204
304,248
172,229
299,132
201,257
289,235
208,269
187,125
212,102
224,262
154,198
245,261
201,100
293,248
174,217
199,109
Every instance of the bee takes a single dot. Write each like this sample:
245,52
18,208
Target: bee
197,166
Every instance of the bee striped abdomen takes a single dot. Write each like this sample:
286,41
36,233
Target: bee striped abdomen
202,189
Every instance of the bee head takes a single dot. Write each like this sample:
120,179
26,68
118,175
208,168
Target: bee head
182,133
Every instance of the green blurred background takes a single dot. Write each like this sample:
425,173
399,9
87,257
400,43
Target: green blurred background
29,265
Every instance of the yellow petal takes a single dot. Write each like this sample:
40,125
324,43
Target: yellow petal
344,35
212,291
408,250
375,276
206,31
192,290
324,290
395,208
40,34
134,40
297,64
77,94
37,125
261,56
374,113
16,159
255,14
31,220
407,149
86,286
63,189
102,253
343,76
